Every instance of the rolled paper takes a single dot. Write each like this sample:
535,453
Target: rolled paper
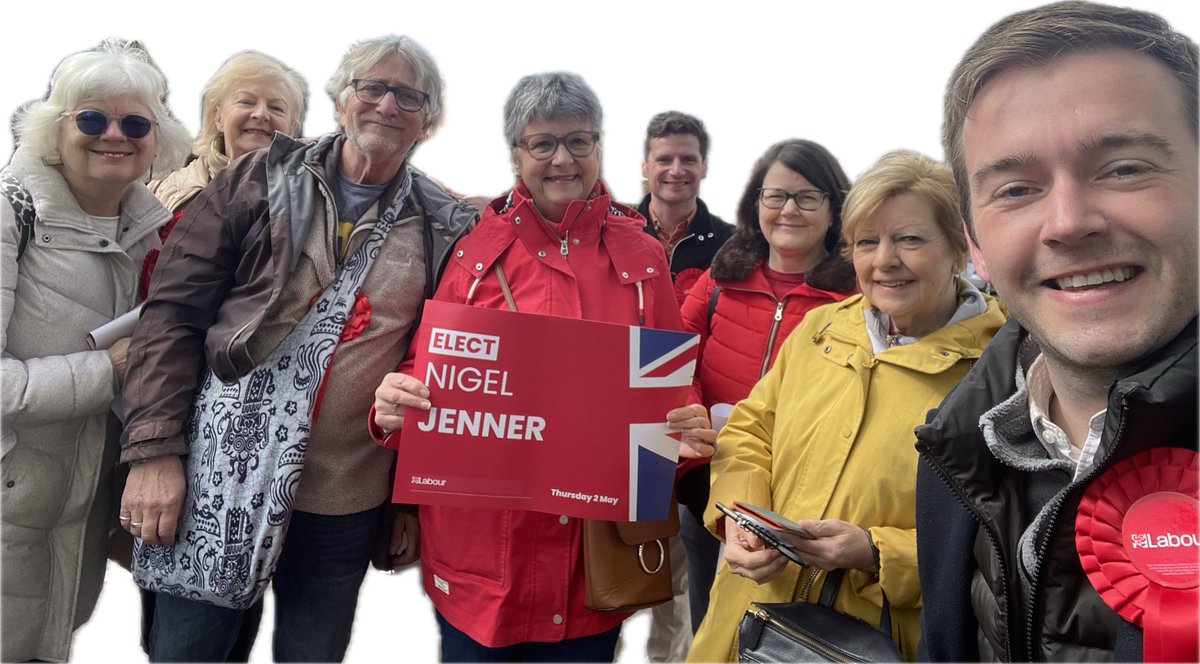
114,330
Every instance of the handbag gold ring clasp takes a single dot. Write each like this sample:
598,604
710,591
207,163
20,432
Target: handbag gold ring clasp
662,556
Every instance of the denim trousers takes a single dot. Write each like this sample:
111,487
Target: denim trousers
703,549
458,647
316,588
243,645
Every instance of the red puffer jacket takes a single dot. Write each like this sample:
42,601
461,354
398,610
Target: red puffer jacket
511,576
749,325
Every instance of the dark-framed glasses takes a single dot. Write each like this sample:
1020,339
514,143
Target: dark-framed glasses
806,199
543,146
373,92
93,123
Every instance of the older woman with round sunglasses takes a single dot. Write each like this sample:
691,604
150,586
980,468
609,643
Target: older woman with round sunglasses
826,437
550,246
75,227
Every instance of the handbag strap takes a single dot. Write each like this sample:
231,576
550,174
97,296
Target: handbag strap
22,203
833,583
508,298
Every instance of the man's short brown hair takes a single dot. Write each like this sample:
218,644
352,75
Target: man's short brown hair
1039,36
670,123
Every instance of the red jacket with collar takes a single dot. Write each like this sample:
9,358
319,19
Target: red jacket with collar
749,325
511,576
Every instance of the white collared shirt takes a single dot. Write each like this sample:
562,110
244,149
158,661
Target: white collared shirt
1052,436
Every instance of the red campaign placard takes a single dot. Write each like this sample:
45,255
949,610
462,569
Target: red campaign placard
544,413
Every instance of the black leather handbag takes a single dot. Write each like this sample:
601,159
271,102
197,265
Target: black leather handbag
804,632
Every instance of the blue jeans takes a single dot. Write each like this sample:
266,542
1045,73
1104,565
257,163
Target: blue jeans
242,646
458,647
703,550
316,587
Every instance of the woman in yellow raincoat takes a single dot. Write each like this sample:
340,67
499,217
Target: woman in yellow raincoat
826,437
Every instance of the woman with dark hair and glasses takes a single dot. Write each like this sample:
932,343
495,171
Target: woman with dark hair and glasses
76,225
508,585
781,262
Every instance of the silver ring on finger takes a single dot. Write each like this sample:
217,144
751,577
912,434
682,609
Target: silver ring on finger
134,524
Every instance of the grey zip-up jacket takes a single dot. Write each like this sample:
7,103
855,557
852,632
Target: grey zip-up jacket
248,228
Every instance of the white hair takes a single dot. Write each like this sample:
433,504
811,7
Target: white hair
367,53
116,67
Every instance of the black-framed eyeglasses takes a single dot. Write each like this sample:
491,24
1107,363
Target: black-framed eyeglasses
543,146
806,199
91,122
373,92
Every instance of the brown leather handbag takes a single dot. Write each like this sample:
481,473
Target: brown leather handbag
627,563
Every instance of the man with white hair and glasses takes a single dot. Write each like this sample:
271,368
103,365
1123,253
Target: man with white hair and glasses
271,242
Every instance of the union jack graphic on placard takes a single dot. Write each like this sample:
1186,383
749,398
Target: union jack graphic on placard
657,359
661,358
653,451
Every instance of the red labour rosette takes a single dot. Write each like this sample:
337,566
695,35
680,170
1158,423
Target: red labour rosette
1138,536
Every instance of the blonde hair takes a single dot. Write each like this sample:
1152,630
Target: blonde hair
901,172
245,66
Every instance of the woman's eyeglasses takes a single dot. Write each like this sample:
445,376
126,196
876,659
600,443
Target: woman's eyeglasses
806,199
93,123
543,146
373,92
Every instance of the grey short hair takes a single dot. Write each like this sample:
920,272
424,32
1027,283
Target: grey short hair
116,67
549,96
245,66
367,53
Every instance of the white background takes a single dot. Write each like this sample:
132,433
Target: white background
861,77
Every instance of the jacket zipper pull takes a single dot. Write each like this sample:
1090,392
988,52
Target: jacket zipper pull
563,248
821,333
779,311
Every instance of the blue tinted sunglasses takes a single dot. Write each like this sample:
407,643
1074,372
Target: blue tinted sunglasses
93,123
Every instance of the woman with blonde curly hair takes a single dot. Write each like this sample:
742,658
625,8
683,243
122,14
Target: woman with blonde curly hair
252,96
